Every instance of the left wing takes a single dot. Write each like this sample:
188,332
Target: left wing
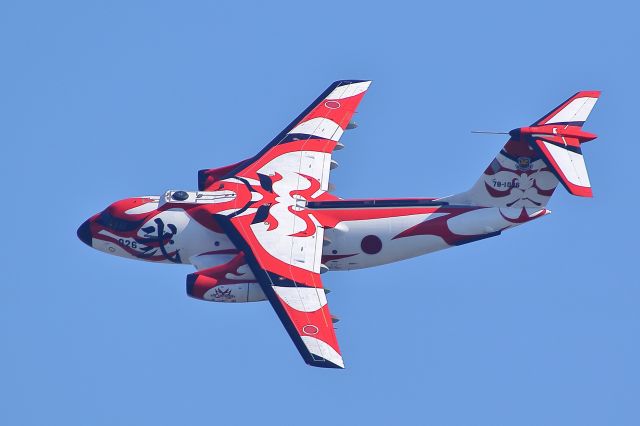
281,239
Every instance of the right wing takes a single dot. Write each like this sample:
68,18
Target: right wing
304,147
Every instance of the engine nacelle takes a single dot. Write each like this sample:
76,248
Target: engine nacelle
207,288
231,282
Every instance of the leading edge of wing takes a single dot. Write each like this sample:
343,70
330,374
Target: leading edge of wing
267,282
283,134
333,86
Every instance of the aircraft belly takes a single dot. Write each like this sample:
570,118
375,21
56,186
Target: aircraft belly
205,248
371,242
366,243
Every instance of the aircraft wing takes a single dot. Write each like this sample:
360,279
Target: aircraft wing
306,144
281,239
293,287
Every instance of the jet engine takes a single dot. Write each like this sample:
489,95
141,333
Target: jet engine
225,283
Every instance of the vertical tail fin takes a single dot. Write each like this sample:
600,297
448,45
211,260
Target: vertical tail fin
535,159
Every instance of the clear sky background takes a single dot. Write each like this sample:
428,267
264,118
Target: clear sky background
105,100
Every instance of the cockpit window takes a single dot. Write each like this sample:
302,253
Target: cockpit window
180,196
107,220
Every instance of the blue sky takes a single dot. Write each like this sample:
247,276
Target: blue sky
104,100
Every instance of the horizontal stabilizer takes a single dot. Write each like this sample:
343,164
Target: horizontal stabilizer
574,110
568,164
536,159
558,137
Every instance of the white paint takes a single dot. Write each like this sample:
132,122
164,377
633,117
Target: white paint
297,251
310,163
144,208
524,195
476,222
348,237
205,261
321,127
303,299
215,197
322,349
196,239
318,193
250,181
348,90
256,293
235,293
577,110
324,174
242,273
571,164
109,247
301,251
319,243
200,197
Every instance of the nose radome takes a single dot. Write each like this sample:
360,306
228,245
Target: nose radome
84,233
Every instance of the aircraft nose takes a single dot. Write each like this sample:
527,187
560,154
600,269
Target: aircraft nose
84,233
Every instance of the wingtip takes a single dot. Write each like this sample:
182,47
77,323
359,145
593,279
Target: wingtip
583,192
588,94
323,363
343,82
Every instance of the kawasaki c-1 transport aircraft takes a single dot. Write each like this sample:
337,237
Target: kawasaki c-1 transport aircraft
266,228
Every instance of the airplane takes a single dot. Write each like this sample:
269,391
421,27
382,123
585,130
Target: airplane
268,227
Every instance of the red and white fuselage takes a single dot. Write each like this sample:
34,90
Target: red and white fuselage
358,233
